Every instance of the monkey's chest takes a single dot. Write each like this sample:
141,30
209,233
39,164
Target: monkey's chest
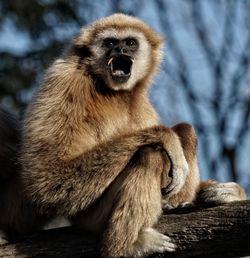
112,118
121,124
112,125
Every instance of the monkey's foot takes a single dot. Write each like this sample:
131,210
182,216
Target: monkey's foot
222,193
166,206
185,205
151,241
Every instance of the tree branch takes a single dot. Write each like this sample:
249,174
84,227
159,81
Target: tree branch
221,231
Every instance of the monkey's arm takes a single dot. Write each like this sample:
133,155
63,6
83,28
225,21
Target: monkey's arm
74,185
195,191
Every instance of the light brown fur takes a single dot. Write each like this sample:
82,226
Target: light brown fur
94,151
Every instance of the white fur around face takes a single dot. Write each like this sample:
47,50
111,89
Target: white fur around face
141,61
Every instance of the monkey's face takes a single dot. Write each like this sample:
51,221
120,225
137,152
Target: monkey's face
120,50
121,58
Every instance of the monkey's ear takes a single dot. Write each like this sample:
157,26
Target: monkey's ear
82,51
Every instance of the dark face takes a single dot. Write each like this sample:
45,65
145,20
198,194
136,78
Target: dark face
119,57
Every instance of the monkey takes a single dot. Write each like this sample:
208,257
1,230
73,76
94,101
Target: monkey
93,149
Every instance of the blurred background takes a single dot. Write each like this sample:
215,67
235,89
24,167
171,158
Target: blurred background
204,79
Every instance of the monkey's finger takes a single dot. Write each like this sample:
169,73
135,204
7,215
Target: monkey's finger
161,242
167,207
166,176
179,178
185,205
167,245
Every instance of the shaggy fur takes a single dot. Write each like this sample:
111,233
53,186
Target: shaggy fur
94,151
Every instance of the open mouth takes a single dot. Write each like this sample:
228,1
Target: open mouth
120,67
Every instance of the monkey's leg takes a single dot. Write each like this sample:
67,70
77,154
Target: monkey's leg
208,191
188,192
74,185
218,193
137,206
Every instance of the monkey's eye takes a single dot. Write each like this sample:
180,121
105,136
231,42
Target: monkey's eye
110,42
131,42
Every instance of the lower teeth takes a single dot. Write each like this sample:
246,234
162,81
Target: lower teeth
118,72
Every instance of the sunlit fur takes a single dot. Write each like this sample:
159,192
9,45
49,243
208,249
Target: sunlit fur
94,151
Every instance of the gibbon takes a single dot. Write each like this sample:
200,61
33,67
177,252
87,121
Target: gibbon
93,149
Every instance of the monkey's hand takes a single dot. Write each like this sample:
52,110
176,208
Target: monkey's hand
176,167
219,193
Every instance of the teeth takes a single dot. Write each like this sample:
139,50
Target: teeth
118,72
110,60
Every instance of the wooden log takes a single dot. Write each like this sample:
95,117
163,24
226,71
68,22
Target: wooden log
221,231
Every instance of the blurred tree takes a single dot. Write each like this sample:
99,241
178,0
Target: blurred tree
219,98
40,22
47,25
205,78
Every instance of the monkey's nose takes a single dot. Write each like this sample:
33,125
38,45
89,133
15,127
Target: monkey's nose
121,50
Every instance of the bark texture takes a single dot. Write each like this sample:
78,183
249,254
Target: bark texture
221,231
